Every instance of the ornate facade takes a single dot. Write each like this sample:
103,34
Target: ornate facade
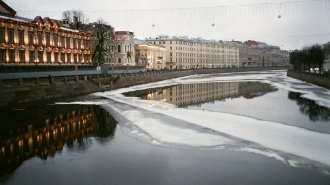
40,41
125,49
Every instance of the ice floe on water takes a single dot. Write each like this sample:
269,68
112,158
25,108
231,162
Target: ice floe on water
171,126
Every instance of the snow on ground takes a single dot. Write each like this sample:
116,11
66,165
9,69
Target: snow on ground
276,138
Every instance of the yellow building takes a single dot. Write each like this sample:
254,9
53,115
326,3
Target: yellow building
153,56
40,41
185,53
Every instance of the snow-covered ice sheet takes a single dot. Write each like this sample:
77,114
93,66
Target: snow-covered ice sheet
292,145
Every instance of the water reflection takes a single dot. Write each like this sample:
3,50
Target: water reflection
196,94
47,134
310,108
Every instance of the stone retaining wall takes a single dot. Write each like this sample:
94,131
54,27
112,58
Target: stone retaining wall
310,78
21,94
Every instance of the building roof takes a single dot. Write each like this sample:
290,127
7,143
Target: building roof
138,42
10,12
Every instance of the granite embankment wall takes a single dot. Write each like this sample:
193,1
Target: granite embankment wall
317,79
22,92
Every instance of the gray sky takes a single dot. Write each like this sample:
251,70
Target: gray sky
302,22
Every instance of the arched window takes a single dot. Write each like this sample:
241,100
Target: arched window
55,40
10,36
21,37
68,42
39,38
22,56
30,39
47,40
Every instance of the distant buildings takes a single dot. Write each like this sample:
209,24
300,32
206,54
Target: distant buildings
184,52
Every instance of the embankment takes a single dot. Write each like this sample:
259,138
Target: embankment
314,78
22,92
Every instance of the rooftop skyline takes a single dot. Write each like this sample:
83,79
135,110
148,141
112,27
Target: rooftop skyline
301,22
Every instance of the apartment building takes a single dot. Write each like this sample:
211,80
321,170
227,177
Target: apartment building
153,56
185,53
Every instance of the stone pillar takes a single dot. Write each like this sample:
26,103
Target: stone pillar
97,76
20,81
85,78
37,81
89,77
105,75
124,74
99,83
76,78
111,83
65,80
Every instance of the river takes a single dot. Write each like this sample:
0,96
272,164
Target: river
233,128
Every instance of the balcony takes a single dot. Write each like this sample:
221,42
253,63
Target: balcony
159,57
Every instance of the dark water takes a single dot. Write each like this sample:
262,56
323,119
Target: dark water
253,99
88,144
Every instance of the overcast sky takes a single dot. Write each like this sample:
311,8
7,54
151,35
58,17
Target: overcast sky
302,22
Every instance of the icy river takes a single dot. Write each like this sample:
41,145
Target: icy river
237,128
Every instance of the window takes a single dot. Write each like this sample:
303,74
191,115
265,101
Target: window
30,39
163,42
119,49
49,59
2,55
79,44
75,58
69,57
87,44
40,57
55,40
21,37
170,53
170,47
47,40
68,42
39,38
62,41
31,56
10,36
170,42
2,36
22,56
119,60
11,56
56,57
63,57
80,58
74,43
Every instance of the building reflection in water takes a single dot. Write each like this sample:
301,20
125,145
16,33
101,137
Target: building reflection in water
46,136
308,107
196,94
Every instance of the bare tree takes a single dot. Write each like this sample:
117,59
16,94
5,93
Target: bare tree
81,18
106,47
